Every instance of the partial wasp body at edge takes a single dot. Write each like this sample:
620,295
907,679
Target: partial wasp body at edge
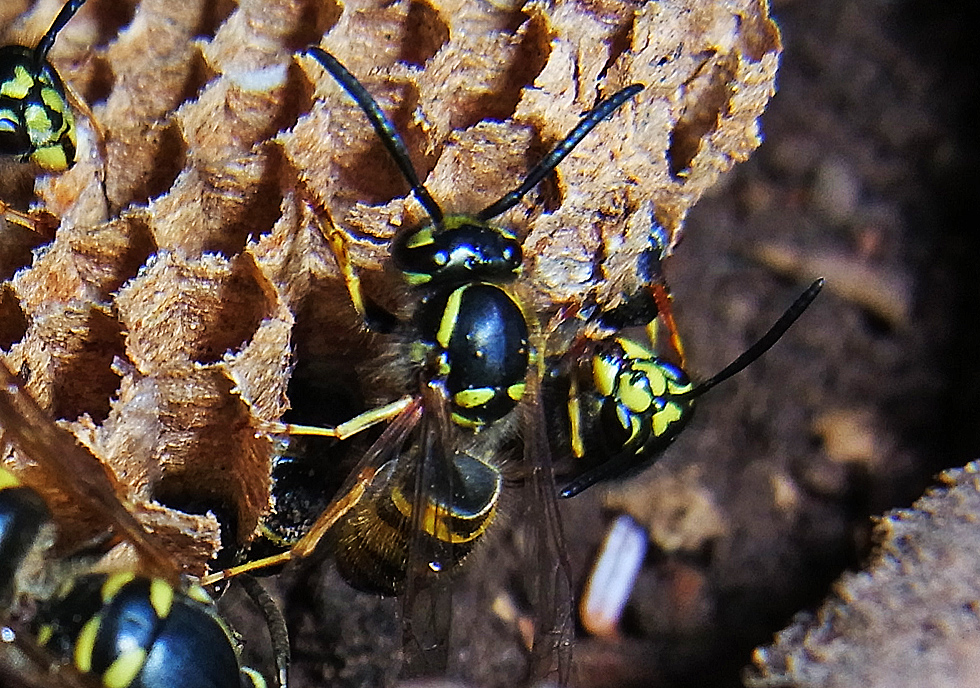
36,122
121,629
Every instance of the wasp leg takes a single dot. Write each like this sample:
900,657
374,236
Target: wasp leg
350,495
338,245
355,425
75,99
38,221
376,318
665,316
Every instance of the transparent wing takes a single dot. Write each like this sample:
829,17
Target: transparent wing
427,602
546,563
33,432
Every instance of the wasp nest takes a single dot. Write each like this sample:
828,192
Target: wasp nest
910,618
161,322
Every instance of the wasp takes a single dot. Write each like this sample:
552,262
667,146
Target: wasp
36,122
126,628
467,353
616,405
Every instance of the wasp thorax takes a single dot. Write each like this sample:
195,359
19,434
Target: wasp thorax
477,341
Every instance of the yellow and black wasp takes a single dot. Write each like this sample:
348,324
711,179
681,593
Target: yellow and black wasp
466,352
615,405
121,628
36,122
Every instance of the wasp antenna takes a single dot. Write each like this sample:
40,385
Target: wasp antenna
602,110
47,40
383,126
765,343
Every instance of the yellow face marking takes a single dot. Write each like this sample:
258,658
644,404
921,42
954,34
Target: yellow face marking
655,377
420,238
161,597
114,583
53,100
634,392
516,391
37,121
85,643
664,419
450,315
629,422
471,398
678,389
124,669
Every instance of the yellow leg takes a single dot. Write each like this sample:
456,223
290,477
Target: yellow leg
354,425
75,98
39,221
575,419
408,414
308,542
338,245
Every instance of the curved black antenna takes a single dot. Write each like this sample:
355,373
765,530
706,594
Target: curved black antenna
47,40
386,131
785,321
602,110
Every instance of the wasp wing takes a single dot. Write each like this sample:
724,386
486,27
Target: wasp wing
546,564
426,602
34,433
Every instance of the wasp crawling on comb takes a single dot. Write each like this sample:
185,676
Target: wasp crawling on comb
467,345
616,405
478,371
